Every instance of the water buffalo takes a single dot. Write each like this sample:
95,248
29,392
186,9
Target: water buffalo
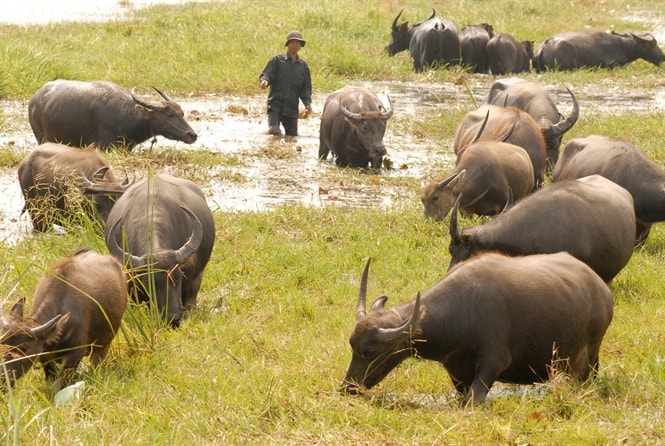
505,54
592,218
353,123
104,114
580,49
533,99
432,43
473,40
626,165
485,323
55,179
486,174
163,229
508,124
77,309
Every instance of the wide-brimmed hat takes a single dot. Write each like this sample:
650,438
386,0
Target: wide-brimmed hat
295,35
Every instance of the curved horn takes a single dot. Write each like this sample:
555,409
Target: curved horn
509,200
390,335
361,308
194,241
482,128
397,18
41,331
166,98
505,136
455,234
564,125
446,181
349,114
388,113
115,249
141,102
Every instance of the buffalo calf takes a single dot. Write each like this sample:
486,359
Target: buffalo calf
77,309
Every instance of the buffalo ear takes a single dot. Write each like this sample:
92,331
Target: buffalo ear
379,303
17,309
466,239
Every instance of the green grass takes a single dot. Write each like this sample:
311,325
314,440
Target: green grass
262,357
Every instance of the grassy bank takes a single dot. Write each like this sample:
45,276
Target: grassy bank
262,357
223,46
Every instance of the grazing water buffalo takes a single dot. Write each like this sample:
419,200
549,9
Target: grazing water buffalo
533,99
432,43
505,54
624,164
493,318
104,114
353,123
508,124
163,229
77,309
592,218
55,178
487,173
473,40
580,49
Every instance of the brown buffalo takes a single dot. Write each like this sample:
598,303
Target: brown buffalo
77,310
486,174
56,181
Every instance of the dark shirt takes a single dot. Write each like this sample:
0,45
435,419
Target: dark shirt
289,81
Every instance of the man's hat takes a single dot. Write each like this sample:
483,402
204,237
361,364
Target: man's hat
295,35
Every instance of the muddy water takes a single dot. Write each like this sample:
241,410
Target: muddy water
272,171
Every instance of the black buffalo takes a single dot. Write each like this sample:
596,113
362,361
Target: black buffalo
536,101
104,114
580,49
353,123
77,310
55,178
493,318
505,54
431,43
162,228
473,40
624,164
592,218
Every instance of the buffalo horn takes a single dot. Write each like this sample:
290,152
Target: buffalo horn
142,102
115,249
564,125
397,18
509,200
194,241
41,331
390,335
446,181
166,98
482,128
388,113
361,309
455,235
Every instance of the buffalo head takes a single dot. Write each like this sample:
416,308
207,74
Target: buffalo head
23,340
401,35
380,340
166,118
369,127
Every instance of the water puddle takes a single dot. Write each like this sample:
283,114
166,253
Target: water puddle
272,171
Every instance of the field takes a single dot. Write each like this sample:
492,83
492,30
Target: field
261,359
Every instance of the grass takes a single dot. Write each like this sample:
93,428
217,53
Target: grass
262,357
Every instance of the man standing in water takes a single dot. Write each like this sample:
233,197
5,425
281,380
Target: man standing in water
290,81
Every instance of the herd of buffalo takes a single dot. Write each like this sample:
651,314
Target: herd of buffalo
483,322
